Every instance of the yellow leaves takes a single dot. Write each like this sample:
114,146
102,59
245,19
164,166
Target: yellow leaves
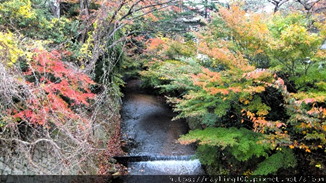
252,90
18,8
163,78
291,146
305,147
86,48
9,51
251,115
318,165
25,11
245,100
262,112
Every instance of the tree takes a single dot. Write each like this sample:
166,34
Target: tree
228,99
45,107
108,20
55,8
47,99
296,49
309,6
277,4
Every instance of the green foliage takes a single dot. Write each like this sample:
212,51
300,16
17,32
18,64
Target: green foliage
232,101
207,154
176,50
15,11
171,75
284,158
37,23
228,151
241,143
295,50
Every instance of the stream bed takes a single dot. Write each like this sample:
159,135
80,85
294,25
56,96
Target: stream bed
151,136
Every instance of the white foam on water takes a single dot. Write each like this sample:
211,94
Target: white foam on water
166,167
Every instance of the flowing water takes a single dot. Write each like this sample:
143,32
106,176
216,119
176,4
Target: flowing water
151,136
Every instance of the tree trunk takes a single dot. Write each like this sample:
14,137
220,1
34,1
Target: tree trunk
55,8
83,14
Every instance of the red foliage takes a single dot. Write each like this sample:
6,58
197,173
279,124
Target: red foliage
55,90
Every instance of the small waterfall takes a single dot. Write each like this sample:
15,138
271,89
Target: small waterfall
166,167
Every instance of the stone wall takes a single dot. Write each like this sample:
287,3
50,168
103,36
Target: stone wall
58,156
38,160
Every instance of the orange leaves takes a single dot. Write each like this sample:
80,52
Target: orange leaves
152,17
155,44
279,124
187,141
302,146
260,123
251,115
212,82
249,30
214,91
224,56
233,17
57,88
207,77
29,115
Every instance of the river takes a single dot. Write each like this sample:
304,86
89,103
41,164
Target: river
151,136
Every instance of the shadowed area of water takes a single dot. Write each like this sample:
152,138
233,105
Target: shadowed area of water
150,133
147,125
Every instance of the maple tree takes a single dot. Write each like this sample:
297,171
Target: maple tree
45,103
63,90
283,101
